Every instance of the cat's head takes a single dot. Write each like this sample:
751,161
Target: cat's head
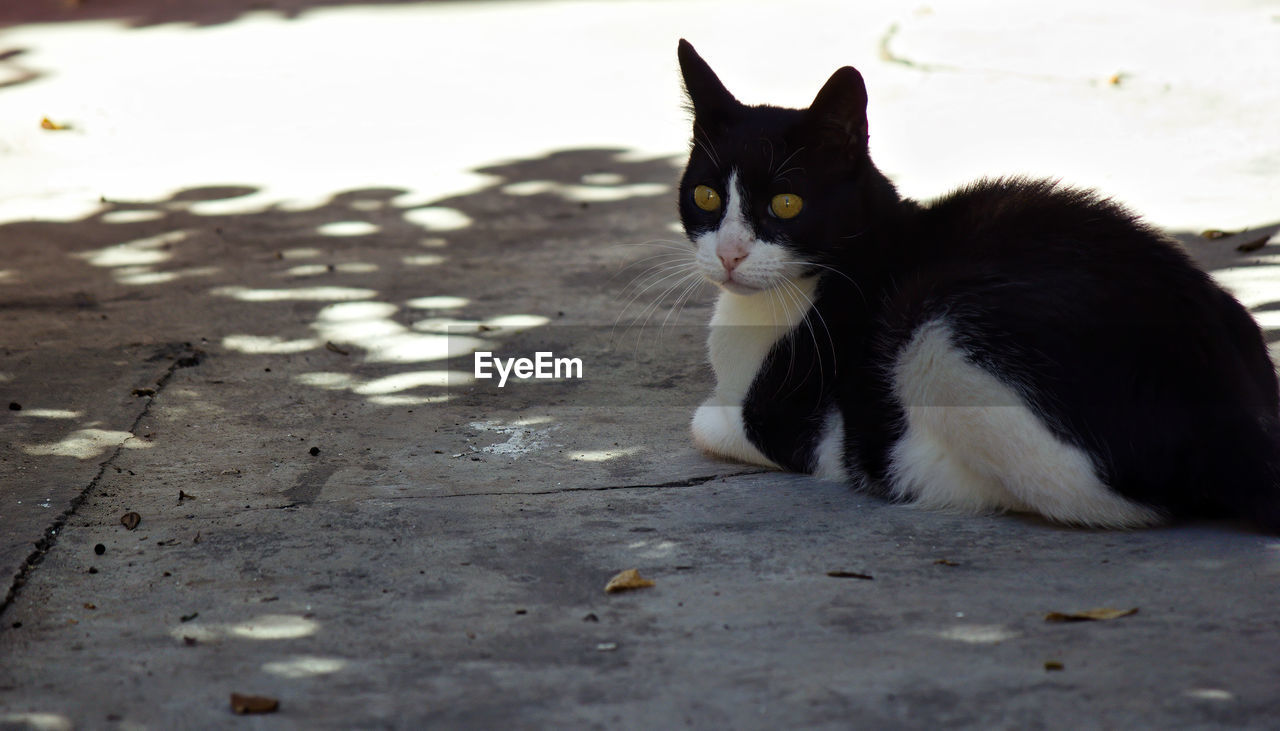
771,193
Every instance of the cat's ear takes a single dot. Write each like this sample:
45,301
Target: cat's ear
708,98
840,110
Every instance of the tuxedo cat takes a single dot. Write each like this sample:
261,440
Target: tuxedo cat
1016,345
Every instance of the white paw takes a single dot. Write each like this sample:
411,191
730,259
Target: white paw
718,429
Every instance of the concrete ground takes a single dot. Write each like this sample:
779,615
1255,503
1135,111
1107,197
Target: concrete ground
240,295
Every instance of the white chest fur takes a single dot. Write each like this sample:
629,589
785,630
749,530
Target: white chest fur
743,330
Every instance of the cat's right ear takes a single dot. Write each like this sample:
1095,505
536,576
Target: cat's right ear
708,98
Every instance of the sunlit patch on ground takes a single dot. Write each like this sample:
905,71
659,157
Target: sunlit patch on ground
1210,694
438,218
423,260
305,666
653,550
301,294
315,270
605,188
440,302
49,414
134,262
978,634
347,228
264,627
603,455
37,721
86,443
269,344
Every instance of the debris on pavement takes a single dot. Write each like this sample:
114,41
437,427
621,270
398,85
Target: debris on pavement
839,574
1254,244
1089,615
130,520
245,704
627,580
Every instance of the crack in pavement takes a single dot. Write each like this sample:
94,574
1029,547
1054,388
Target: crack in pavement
687,482
186,357
888,56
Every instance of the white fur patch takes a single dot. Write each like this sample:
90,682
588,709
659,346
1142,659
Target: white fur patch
744,329
972,444
718,429
828,456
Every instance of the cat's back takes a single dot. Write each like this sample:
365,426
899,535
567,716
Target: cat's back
1024,223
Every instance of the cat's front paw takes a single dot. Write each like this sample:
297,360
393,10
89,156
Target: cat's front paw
718,429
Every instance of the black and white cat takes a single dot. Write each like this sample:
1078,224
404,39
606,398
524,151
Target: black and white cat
1016,345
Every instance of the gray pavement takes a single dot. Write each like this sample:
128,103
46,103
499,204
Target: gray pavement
240,298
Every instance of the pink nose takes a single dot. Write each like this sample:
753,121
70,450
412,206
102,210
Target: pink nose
731,261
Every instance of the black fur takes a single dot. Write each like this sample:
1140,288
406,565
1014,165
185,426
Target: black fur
1104,326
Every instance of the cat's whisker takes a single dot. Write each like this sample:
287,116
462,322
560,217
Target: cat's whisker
681,300
659,279
655,243
705,143
783,164
692,280
779,293
650,278
813,311
666,274
802,302
833,270
662,259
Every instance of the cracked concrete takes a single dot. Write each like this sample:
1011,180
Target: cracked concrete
243,305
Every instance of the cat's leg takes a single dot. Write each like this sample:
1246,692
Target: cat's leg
971,442
718,429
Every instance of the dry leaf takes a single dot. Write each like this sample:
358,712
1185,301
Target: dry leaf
629,579
849,575
1089,615
1214,233
945,562
243,704
1053,665
130,520
1255,244
53,126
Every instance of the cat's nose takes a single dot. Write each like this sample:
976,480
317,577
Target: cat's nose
730,260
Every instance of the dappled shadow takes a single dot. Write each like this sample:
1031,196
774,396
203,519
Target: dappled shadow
261,315
13,71
401,290
142,13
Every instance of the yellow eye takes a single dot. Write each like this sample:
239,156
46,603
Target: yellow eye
706,198
786,205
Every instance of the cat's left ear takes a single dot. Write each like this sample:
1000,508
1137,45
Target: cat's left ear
840,110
